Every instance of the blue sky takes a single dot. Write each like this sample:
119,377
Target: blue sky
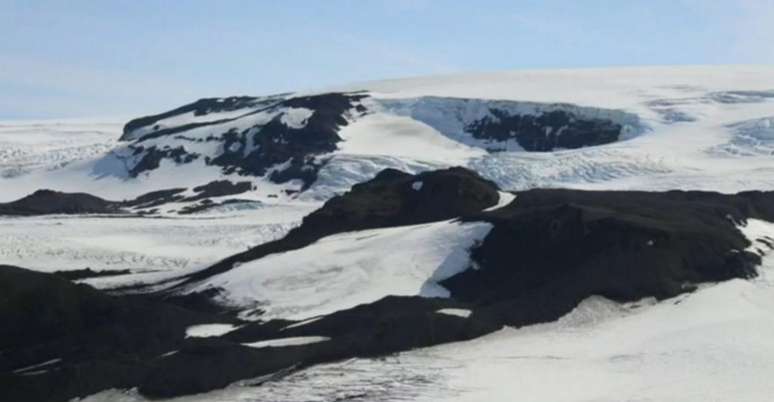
122,58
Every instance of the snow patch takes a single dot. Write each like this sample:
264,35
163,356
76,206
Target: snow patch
296,117
294,341
505,199
761,236
302,323
208,330
382,133
344,270
32,368
457,312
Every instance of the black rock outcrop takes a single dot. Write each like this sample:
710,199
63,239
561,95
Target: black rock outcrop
395,198
46,202
49,202
546,132
284,151
550,249
201,107
88,340
220,188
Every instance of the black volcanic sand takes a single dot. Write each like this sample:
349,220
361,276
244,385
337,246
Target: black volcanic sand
547,251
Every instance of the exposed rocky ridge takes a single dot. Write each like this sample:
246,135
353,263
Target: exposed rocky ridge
279,137
133,130
546,132
279,142
392,198
85,273
220,188
49,202
156,198
45,202
550,249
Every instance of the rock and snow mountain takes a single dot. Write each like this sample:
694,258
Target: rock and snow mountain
293,241
650,129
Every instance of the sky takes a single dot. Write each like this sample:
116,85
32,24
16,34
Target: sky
78,58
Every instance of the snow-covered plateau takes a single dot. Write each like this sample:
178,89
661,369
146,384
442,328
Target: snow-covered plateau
323,245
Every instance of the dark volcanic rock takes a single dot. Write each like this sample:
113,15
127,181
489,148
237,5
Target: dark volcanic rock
155,198
395,198
77,274
276,142
220,188
101,341
199,108
153,156
391,324
208,204
46,202
546,132
386,326
550,249
281,148
207,364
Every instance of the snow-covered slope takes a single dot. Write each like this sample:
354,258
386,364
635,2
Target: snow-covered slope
27,146
148,246
342,271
